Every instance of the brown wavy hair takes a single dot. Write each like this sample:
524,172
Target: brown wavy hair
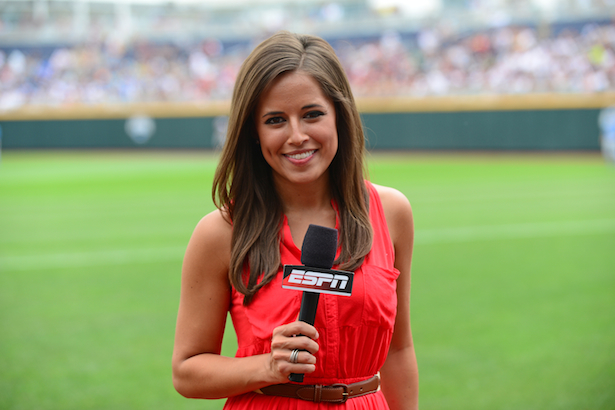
243,184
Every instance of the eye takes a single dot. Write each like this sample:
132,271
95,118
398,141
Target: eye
314,114
274,120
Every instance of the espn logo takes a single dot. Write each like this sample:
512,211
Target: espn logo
317,280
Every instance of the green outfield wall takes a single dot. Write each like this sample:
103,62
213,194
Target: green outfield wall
486,130
105,133
555,123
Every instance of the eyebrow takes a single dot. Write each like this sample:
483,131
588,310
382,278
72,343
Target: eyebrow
272,113
305,107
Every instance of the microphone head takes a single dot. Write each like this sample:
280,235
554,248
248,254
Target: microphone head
319,247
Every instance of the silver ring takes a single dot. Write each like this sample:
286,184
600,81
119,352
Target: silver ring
294,356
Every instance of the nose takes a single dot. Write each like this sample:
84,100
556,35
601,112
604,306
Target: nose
297,135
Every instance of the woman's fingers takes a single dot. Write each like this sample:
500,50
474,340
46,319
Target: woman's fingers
296,335
292,349
297,328
301,357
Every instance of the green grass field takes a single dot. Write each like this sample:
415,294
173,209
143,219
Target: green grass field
513,301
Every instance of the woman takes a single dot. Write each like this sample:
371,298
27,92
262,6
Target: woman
294,157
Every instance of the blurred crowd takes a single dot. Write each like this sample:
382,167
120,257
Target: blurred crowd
578,58
506,60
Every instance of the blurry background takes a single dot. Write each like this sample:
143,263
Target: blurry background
81,51
528,74
495,118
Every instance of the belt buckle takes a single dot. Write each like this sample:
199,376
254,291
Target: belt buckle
344,392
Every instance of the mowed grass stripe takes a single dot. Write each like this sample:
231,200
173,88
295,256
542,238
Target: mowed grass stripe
26,227
107,257
510,231
423,237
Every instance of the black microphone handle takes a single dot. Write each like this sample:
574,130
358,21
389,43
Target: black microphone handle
309,304
307,314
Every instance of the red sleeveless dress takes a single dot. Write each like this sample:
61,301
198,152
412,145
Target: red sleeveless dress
355,332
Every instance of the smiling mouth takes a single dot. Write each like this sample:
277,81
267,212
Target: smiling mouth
302,155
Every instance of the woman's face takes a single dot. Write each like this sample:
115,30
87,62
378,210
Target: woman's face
296,128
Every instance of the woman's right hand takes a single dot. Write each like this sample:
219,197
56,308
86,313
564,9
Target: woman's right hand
286,338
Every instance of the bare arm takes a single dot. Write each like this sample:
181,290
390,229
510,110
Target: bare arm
400,371
198,369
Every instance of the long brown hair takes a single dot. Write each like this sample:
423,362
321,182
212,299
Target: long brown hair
243,184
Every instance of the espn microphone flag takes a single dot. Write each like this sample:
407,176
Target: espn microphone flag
308,279
315,275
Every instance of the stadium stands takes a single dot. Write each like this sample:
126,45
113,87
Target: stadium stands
167,57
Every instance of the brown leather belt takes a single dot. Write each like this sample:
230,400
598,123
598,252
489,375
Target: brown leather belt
335,393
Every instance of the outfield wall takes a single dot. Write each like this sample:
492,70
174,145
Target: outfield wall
522,122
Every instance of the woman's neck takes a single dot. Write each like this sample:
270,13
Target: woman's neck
305,204
307,198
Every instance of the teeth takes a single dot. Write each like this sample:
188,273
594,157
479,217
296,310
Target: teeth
303,155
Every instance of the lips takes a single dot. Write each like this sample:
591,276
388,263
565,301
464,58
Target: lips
301,155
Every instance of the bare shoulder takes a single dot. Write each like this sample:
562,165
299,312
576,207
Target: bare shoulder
214,223
210,243
397,210
393,201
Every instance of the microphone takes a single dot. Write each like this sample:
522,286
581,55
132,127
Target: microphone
315,276
318,251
